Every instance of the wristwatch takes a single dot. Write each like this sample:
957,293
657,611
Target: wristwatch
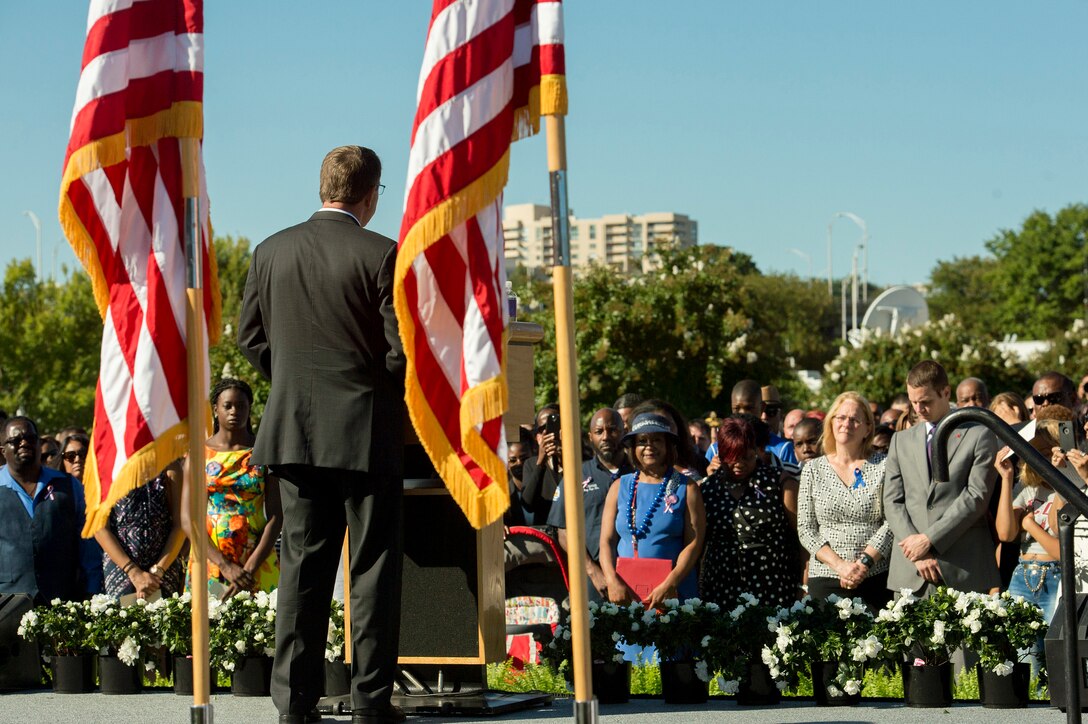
866,560
156,570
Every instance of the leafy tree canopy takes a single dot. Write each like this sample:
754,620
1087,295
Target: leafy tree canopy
686,332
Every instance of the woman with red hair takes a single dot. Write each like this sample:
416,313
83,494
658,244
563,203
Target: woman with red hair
750,544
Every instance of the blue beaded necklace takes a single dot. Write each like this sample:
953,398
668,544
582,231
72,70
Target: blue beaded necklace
643,530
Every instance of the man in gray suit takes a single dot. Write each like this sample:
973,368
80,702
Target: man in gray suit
940,528
318,320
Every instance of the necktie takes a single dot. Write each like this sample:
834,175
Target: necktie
929,451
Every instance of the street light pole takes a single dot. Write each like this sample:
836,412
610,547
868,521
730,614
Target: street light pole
805,256
38,232
860,223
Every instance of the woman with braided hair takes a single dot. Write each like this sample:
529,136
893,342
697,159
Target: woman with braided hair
244,516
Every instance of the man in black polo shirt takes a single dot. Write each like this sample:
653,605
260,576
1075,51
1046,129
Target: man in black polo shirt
608,464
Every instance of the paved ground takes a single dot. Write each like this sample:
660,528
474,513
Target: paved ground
161,707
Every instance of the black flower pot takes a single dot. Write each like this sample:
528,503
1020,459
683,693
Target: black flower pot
337,678
73,674
183,675
680,685
612,682
758,689
1005,692
927,686
823,673
252,676
117,677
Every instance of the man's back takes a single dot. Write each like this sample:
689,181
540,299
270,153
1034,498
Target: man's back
319,322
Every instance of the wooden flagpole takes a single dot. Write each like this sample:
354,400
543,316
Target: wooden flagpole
201,711
585,705
346,573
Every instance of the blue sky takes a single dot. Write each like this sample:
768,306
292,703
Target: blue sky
938,123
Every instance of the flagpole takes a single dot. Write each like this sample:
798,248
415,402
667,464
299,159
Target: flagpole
201,711
585,705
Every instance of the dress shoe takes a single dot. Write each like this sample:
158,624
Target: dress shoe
312,718
377,715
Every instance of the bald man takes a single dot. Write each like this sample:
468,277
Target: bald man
608,464
972,392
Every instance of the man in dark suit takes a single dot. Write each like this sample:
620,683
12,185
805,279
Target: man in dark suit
318,320
940,527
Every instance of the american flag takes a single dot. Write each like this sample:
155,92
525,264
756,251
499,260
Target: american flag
121,206
491,68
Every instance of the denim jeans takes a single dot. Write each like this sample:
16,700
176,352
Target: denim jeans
1040,583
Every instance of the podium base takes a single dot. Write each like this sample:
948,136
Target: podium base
479,703
446,690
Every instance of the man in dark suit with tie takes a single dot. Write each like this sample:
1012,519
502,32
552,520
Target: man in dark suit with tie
318,320
940,528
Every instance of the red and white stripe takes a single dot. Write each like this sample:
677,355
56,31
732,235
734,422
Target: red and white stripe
450,282
123,210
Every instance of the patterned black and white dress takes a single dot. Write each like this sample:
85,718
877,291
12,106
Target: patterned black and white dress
750,545
142,522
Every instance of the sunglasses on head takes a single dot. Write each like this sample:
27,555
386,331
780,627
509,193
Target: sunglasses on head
18,440
1052,398
72,455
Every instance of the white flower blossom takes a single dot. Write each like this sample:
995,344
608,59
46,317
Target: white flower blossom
616,636
618,657
1003,669
729,687
853,687
702,671
129,651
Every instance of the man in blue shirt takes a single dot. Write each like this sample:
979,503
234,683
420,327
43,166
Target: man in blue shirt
608,464
42,513
747,399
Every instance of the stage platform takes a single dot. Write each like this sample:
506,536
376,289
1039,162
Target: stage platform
163,707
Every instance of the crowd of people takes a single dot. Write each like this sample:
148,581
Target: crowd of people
764,501
777,503
143,548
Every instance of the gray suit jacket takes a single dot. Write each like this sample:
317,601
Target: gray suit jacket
951,514
317,319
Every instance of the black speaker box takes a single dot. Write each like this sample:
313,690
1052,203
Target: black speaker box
1054,645
20,662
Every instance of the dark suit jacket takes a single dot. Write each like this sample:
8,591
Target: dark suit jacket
952,514
317,319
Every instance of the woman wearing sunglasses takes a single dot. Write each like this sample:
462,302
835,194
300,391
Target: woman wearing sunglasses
73,453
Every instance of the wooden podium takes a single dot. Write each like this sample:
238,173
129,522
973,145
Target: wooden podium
453,611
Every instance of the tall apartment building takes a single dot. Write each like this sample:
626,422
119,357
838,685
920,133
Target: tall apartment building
620,241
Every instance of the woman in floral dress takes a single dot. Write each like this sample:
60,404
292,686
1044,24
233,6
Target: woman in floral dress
750,543
244,516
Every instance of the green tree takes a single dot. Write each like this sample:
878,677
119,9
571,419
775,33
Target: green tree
1040,274
232,257
966,287
51,339
878,367
1033,285
685,332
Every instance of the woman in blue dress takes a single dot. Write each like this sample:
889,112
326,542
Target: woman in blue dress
655,512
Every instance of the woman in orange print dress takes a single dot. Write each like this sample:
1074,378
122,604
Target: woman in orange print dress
244,516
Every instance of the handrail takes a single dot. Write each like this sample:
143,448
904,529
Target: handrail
1074,498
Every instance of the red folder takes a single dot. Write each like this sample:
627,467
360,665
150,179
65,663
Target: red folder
643,575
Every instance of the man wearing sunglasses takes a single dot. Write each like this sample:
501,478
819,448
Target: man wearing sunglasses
1054,388
41,516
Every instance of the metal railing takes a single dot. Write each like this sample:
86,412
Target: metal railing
1076,506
